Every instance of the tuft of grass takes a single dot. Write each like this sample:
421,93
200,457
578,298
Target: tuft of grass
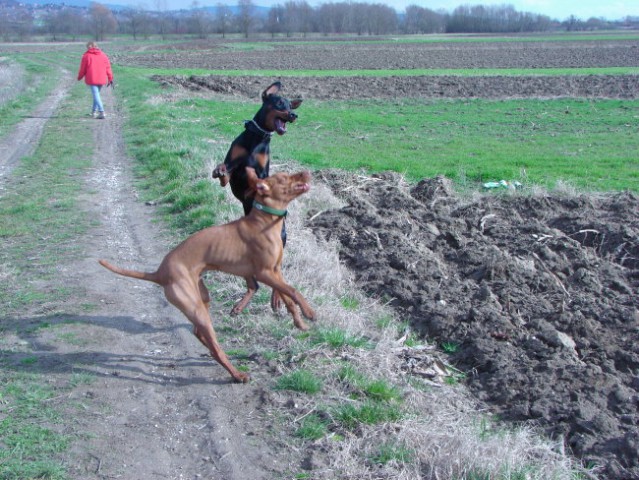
299,381
350,416
379,390
349,302
390,451
450,347
336,337
312,428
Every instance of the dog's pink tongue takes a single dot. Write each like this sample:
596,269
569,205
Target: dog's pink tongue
280,126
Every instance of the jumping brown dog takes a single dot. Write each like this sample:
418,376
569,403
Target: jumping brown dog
250,247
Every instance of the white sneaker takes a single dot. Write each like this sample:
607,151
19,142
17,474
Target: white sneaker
94,114
101,115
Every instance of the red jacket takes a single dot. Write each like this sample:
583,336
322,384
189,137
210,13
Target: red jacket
95,68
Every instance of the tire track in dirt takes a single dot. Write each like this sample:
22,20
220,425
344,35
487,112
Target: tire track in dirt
23,140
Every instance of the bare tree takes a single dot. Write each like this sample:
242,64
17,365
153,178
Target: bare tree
245,18
102,21
200,21
137,22
333,17
422,20
53,24
382,19
298,17
162,20
23,25
276,20
223,17
498,18
5,28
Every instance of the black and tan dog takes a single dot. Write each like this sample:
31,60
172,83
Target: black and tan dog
252,148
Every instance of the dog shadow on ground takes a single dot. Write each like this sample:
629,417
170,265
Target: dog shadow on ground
60,345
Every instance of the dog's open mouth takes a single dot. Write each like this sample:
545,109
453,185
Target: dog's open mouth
280,126
302,187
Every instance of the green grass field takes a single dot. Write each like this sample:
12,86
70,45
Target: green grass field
590,144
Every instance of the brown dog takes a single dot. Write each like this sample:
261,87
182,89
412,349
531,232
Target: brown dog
250,247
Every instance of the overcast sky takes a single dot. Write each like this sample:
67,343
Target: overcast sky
556,9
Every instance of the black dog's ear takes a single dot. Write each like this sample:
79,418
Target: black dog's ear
296,102
271,90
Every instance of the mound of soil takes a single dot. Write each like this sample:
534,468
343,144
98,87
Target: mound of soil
358,55
537,293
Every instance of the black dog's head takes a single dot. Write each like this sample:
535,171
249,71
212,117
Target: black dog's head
276,111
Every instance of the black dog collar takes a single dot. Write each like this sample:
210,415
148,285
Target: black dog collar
252,126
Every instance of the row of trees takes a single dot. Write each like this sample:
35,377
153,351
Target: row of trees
295,17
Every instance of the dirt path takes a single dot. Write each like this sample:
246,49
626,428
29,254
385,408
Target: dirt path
157,407
23,140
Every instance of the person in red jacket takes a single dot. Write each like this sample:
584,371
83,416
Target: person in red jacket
95,68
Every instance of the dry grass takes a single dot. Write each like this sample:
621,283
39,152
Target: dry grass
11,80
444,432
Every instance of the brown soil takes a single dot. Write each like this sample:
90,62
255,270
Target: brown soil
538,292
405,56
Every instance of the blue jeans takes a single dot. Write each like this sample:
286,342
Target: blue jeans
97,101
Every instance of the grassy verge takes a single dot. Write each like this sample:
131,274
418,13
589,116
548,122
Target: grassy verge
30,440
40,220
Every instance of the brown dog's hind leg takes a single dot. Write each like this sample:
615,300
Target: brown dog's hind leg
206,298
189,301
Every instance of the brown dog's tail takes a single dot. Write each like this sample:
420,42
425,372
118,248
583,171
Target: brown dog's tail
151,277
